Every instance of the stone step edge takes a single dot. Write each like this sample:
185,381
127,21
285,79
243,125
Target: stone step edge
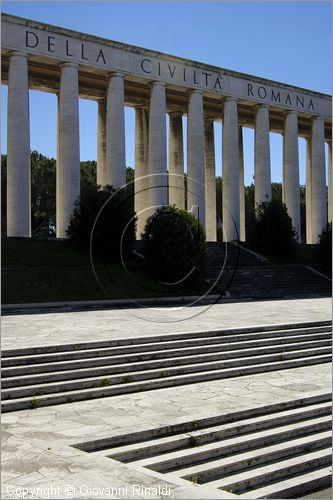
241,461
237,483
204,455
191,368
167,337
291,487
262,410
152,355
181,441
77,305
94,393
91,372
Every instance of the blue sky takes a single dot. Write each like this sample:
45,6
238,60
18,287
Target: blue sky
284,41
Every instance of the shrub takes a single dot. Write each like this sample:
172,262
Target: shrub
324,249
174,246
114,209
272,232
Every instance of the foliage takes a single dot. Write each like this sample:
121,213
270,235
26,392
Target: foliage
272,232
324,249
88,174
107,211
43,194
174,246
43,191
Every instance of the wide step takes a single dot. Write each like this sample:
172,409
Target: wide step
60,376
266,452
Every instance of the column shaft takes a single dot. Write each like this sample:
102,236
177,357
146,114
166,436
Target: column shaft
141,200
318,188
308,201
230,171
330,180
241,186
262,163
157,154
68,148
291,188
210,181
101,144
18,148
176,160
115,131
196,157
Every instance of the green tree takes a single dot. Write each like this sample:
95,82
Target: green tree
272,232
110,212
88,174
43,194
174,246
277,191
324,249
249,209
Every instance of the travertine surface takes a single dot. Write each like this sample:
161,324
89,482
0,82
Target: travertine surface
37,451
65,328
37,447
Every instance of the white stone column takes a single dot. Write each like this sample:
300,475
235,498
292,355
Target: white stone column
176,160
262,162
18,148
210,180
330,180
68,148
230,170
318,188
157,154
308,201
141,185
101,144
291,187
241,186
196,156
115,131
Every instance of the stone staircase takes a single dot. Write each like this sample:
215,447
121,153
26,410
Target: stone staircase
277,451
243,275
44,376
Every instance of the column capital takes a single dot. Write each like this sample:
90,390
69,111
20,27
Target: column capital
317,117
141,107
68,65
19,53
230,99
261,106
175,113
111,74
290,112
194,91
156,83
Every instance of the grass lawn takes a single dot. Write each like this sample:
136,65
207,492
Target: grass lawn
52,271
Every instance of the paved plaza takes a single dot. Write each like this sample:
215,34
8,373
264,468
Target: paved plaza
38,455
21,331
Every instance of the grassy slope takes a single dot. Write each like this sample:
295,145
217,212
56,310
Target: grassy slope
50,271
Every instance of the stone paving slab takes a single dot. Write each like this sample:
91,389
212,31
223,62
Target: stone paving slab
38,458
32,330
37,447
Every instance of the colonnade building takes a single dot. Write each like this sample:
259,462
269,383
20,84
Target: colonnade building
75,65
